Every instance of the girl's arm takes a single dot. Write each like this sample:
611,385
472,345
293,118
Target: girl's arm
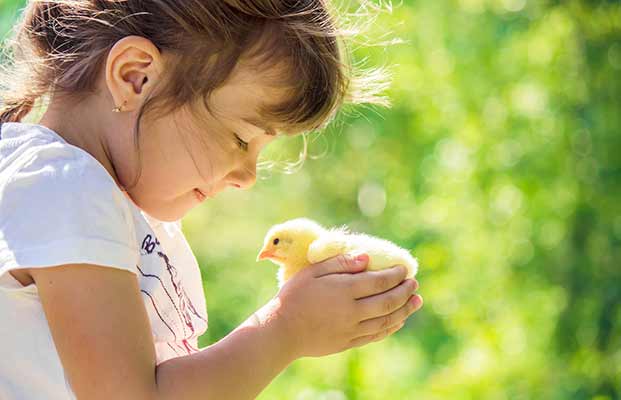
102,334
239,366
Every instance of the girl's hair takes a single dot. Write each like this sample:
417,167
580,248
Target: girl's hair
60,46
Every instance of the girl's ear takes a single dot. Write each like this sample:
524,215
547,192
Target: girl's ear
133,66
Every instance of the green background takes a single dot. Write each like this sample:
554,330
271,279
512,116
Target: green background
499,165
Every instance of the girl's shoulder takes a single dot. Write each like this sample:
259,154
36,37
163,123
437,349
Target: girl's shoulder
33,153
17,137
42,174
58,205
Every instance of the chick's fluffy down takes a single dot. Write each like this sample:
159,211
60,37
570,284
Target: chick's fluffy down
382,253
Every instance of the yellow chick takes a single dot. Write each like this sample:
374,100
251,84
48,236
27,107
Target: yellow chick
300,242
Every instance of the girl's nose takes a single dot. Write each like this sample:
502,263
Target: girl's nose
243,178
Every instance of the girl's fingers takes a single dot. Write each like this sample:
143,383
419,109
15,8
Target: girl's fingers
369,283
362,340
385,303
379,324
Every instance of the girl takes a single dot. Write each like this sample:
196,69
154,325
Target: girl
155,106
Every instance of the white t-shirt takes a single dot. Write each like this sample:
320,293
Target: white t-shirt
59,205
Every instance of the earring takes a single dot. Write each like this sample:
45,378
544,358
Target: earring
118,108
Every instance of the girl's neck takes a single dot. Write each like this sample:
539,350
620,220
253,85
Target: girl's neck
76,124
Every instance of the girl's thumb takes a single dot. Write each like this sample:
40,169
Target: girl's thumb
343,263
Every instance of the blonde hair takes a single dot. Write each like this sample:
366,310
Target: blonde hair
60,46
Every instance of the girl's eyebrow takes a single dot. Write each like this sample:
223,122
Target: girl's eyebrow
268,129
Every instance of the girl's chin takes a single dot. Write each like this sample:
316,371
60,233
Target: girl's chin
163,210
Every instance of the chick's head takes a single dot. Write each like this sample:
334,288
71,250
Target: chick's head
286,244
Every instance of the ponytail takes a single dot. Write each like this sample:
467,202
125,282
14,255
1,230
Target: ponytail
15,110
26,72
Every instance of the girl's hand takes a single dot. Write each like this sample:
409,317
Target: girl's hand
328,307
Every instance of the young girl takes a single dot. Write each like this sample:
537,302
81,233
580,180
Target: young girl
155,106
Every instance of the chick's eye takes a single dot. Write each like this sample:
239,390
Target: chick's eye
276,241
243,145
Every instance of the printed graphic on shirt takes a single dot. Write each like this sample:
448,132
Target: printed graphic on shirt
162,285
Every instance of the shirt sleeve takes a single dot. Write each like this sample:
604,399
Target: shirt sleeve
60,209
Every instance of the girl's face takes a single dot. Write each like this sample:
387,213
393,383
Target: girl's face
214,156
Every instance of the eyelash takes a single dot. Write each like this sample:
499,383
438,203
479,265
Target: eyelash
242,144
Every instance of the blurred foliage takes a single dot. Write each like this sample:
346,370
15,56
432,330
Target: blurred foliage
499,165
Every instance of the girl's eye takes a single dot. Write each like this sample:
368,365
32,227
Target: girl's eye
242,144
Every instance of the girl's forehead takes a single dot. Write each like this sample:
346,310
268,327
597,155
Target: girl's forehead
267,80
245,94
265,126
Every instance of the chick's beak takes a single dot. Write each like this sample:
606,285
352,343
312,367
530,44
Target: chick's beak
265,254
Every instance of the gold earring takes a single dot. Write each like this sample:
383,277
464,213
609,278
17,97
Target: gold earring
118,108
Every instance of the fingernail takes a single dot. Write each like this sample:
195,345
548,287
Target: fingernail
361,258
416,302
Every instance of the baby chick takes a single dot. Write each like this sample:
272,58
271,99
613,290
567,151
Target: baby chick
299,242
